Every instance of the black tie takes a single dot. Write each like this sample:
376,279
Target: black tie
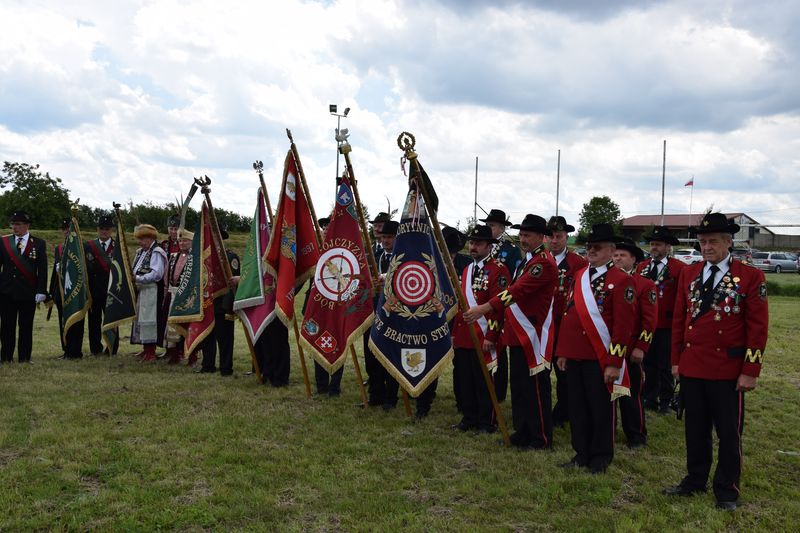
654,271
708,286
19,244
592,272
476,270
104,247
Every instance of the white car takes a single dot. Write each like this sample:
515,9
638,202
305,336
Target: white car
688,255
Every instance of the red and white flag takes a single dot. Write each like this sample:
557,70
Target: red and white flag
689,183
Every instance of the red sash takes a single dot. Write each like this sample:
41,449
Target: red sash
21,261
481,324
597,331
100,255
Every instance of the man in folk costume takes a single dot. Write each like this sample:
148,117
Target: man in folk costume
507,253
173,335
455,240
149,269
23,285
568,263
55,292
171,244
481,280
719,337
377,227
593,342
631,407
98,266
664,271
528,320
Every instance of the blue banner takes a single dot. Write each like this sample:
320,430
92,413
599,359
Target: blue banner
411,335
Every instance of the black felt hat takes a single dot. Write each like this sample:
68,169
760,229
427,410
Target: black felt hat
223,231
381,217
324,221
626,243
663,234
559,223
715,223
534,223
174,221
105,221
390,227
602,233
453,238
20,216
481,233
496,215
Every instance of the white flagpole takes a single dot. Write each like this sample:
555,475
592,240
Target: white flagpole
691,195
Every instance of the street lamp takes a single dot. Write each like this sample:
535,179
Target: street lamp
333,109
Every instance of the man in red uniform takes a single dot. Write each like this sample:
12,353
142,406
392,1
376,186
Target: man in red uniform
664,271
631,407
481,280
568,264
528,317
171,244
594,337
719,337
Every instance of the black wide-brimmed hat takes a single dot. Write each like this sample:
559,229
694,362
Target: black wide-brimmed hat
223,231
453,238
381,217
715,223
602,233
173,221
662,234
324,222
559,223
496,215
65,222
20,216
626,243
534,223
390,227
105,221
481,233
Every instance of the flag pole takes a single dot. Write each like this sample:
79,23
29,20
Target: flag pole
304,189
558,178
663,179
406,143
691,194
204,183
475,197
259,168
126,262
345,149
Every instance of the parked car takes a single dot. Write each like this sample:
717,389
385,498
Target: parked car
742,254
688,255
775,261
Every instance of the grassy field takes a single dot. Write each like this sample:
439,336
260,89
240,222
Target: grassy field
109,443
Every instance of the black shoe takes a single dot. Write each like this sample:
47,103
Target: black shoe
664,409
726,505
637,444
599,468
389,406
462,426
487,428
650,405
421,415
572,463
334,393
374,403
207,370
226,373
683,490
520,441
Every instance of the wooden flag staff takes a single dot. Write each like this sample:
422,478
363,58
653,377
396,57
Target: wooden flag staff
406,143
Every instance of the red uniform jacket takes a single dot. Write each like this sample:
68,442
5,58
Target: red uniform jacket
491,280
532,291
615,295
646,317
666,288
571,264
724,336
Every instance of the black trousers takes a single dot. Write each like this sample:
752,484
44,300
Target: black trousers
425,399
383,387
717,404
73,348
476,404
96,323
591,414
632,408
14,314
501,375
530,402
561,409
272,352
60,311
457,383
220,337
328,383
657,365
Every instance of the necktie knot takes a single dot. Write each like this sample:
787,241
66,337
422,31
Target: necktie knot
19,243
709,284
592,272
654,271
713,269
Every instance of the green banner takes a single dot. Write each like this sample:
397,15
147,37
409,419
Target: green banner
72,274
121,298
187,302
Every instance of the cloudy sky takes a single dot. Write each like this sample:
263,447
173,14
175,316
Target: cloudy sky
129,100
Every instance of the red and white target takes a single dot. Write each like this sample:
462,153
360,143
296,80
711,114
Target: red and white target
413,283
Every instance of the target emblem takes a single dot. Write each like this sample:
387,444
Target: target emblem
336,276
413,283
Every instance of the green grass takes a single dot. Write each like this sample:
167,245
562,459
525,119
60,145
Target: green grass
109,443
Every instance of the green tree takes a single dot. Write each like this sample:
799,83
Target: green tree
42,196
598,210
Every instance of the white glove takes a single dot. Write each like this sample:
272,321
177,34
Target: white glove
40,298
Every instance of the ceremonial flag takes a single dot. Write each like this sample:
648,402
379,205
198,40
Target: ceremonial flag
202,280
120,305
74,281
255,295
689,183
411,337
339,307
293,252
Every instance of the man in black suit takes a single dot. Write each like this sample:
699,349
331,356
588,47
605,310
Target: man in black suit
23,284
98,266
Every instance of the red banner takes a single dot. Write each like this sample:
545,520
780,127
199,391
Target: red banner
213,284
339,307
293,253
